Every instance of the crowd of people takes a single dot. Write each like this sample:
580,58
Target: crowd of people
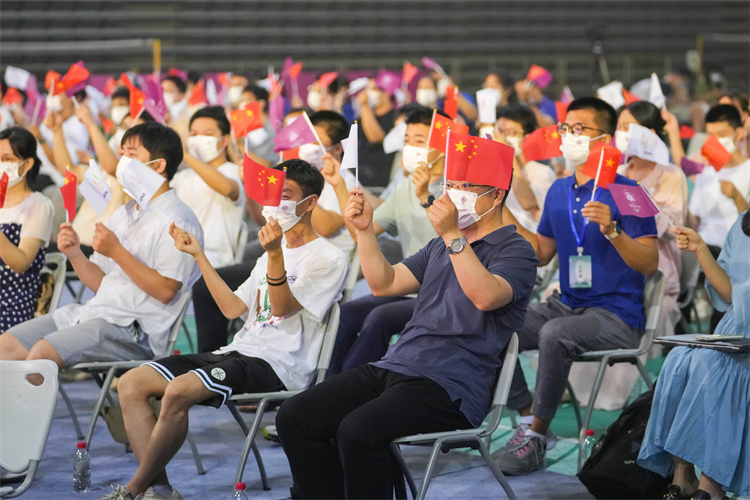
451,260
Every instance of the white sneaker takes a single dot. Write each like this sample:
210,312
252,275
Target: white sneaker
151,494
118,493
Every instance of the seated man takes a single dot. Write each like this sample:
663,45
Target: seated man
285,299
601,306
138,277
474,285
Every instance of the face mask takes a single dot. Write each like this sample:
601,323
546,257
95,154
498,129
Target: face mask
622,139
313,154
515,143
204,147
427,97
575,149
285,214
466,202
124,161
169,99
728,144
11,168
235,94
484,131
117,113
116,140
313,99
54,104
373,98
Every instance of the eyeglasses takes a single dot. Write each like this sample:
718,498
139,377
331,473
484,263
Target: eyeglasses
463,186
577,129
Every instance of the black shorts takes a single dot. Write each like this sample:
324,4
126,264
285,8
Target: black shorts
223,374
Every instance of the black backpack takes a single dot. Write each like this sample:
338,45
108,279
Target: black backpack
611,471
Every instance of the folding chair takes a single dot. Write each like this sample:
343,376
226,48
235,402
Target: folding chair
653,294
544,279
262,399
476,439
25,415
352,277
54,264
689,275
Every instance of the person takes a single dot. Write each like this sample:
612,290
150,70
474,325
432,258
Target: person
604,259
701,407
667,185
530,93
25,228
175,96
439,375
286,298
377,116
236,87
503,85
258,143
139,279
211,185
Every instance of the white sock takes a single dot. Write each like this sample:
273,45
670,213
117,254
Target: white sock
162,489
529,432
527,420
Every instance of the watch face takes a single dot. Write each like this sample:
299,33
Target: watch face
457,245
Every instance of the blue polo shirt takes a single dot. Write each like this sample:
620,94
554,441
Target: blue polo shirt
449,340
615,285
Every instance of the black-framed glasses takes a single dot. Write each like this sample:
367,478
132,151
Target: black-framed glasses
577,129
463,186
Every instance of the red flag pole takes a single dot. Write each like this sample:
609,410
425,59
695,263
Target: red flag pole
598,171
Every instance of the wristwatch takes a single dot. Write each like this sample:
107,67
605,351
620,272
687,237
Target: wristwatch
429,202
457,245
615,232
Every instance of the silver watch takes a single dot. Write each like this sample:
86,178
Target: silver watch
457,245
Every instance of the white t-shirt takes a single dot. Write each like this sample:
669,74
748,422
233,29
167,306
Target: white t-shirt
541,177
716,211
145,234
316,272
76,139
34,215
329,201
220,217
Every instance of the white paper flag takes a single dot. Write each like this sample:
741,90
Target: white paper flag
655,94
394,140
358,84
351,149
140,182
612,94
646,145
17,78
487,105
94,188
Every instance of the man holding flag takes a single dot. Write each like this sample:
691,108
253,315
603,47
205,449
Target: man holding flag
604,260
440,374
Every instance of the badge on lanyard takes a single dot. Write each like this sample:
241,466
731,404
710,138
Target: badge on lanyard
580,273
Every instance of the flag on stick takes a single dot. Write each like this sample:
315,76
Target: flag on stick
263,184
439,129
68,191
3,188
478,161
715,153
296,134
95,189
542,144
602,165
351,152
246,119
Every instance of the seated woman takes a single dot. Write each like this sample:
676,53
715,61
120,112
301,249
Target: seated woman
701,411
25,228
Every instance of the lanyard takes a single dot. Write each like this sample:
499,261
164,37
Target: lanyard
579,237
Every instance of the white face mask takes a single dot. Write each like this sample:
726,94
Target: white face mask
313,154
204,147
235,94
728,143
285,214
575,149
313,99
373,98
484,131
117,113
466,203
622,139
515,143
54,103
169,99
11,168
116,140
411,156
427,97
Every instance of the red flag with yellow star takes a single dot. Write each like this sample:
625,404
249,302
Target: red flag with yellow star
450,105
137,97
478,161
440,126
198,94
263,184
610,160
3,188
68,191
246,119
542,144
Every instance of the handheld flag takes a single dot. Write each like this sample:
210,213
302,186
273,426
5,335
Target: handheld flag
75,79
388,81
351,152
290,154
450,105
602,165
629,97
327,78
246,119
95,189
408,73
394,140
487,105
646,145
633,200
561,108
68,191
3,188
198,94
655,94
110,86
715,153
566,96
434,66
439,129
17,77
295,70
478,161
298,132
263,184
542,144
137,97
540,76
12,96
182,75
690,167
155,93
53,84
276,112
612,94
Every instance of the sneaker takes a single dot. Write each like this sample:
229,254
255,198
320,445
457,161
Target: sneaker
526,458
517,438
269,432
151,494
118,493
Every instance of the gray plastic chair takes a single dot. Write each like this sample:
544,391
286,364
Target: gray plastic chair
476,439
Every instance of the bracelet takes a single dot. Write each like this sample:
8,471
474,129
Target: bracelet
277,284
282,277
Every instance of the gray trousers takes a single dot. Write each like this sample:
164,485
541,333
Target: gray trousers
561,333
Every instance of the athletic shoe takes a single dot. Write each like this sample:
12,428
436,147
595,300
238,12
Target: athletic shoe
118,493
151,494
269,432
526,458
517,438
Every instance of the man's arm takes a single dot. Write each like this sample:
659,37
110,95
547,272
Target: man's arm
544,247
107,158
215,179
68,243
370,126
280,295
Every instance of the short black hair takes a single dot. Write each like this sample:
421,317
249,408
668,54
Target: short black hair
307,176
121,93
216,113
418,115
335,125
724,113
605,115
160,141
259,92
741,97
23,145
337,84
649,116
179,83
521,114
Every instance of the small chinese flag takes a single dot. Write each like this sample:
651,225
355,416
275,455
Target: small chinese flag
110,86
562,110
295,70
137,97
198,94
327,78
409,72
12,96
290,154
107,125
610,160
440,126
542,144
75,79
478,161
629,97
51,78
246,119
539,75
3,188
450,106
68,191
715,153
263,184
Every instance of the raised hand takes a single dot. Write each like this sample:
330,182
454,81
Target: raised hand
444,217
358,211
687,239
84,115
270,235
184,241
330,170
105,241
421,180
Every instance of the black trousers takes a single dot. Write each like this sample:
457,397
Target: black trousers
336,435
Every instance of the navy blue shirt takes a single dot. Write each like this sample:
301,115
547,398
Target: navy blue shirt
616,286
547,107
448,339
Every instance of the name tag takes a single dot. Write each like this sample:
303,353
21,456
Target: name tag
579,270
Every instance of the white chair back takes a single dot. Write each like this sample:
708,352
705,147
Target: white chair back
329,339
54,264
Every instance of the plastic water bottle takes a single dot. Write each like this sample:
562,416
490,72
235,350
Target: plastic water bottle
81,469
239,492
588,445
